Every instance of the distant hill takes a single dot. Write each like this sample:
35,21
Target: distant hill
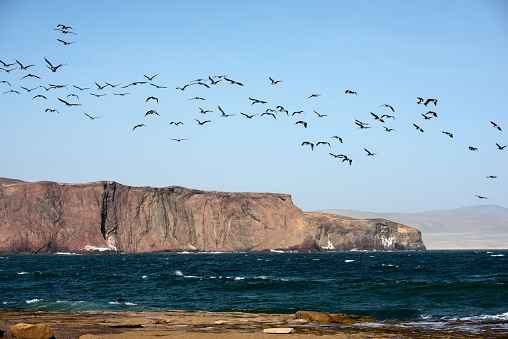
481,226
7,181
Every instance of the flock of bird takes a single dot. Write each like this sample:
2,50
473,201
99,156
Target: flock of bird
24,71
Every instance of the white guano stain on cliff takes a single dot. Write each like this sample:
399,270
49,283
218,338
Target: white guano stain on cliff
329,246
110,246
387,242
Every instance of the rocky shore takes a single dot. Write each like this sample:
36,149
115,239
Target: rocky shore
198,324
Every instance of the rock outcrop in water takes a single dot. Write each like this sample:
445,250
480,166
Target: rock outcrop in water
49,217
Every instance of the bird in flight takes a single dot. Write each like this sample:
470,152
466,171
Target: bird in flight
121,94
302,122
39,96
297,112
471,148
7,65
12,91
500,147
388,129
68,104
135,83
495,125
213,82
320,115
98,95
448,134
51,67
51,110
23,67
268,113
224,115
182,88
376,117
273,82
196,98
31,76
313,96
308,143
480,197
157,86
203,111
152,98
152,111
232,82
150,78
64,31
491,176
361,125
338,138
99,87
201,123
66,43
248,116
140,125
28,90
6,82
323,143
386,105
176,123
418,127
350,92
92,118
178,140
369,153
81,89
256,101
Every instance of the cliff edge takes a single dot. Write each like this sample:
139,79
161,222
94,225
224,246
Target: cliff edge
49,217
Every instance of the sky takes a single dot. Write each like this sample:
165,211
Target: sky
389,53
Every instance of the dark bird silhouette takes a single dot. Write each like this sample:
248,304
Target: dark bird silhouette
31,76
500,147
28,90
99,87
320,115
66,43
73,95
110,85
361,125
140,125
203,111
178,140
6,82
369,153
7,65
338,138
495,125
224,115
150,78
297,112
64,27
491,176
152,98
202,84
98,95
282,110
418,127
480,197
51,67
197,98
201,123
448,134
420,101
302,122
471,148
23,67
135,83
248,116
213,82
121,94
430,100
376,117
431,113
58,86
39,96
151,112
176,123
308,143
92,118
157,86
268,113
12,91
81,89
313,96
256,101
350,92
387,116
68,104
51,110
388,129
182,88
8,70
338,156
386,105
232,82
273,82
426,117
323,143
64,31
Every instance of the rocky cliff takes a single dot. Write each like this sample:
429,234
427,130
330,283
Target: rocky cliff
48,217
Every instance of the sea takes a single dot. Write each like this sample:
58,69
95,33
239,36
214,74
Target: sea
444,285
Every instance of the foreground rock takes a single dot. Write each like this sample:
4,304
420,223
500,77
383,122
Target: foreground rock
328,318
29,331
49,217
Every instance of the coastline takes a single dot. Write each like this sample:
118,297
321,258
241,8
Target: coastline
200,324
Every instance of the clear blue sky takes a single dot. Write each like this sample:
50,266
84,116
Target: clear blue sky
389,52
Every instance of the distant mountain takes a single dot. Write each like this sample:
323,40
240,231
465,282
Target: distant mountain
481,226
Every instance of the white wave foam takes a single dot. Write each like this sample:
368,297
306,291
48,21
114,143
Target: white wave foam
33,301
144,277
348,260
23,272
487,317
178,273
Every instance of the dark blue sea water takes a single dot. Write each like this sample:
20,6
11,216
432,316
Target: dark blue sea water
468,285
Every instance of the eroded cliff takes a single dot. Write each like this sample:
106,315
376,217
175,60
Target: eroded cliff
48,217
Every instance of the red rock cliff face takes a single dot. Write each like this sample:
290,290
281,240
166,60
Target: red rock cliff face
48,217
